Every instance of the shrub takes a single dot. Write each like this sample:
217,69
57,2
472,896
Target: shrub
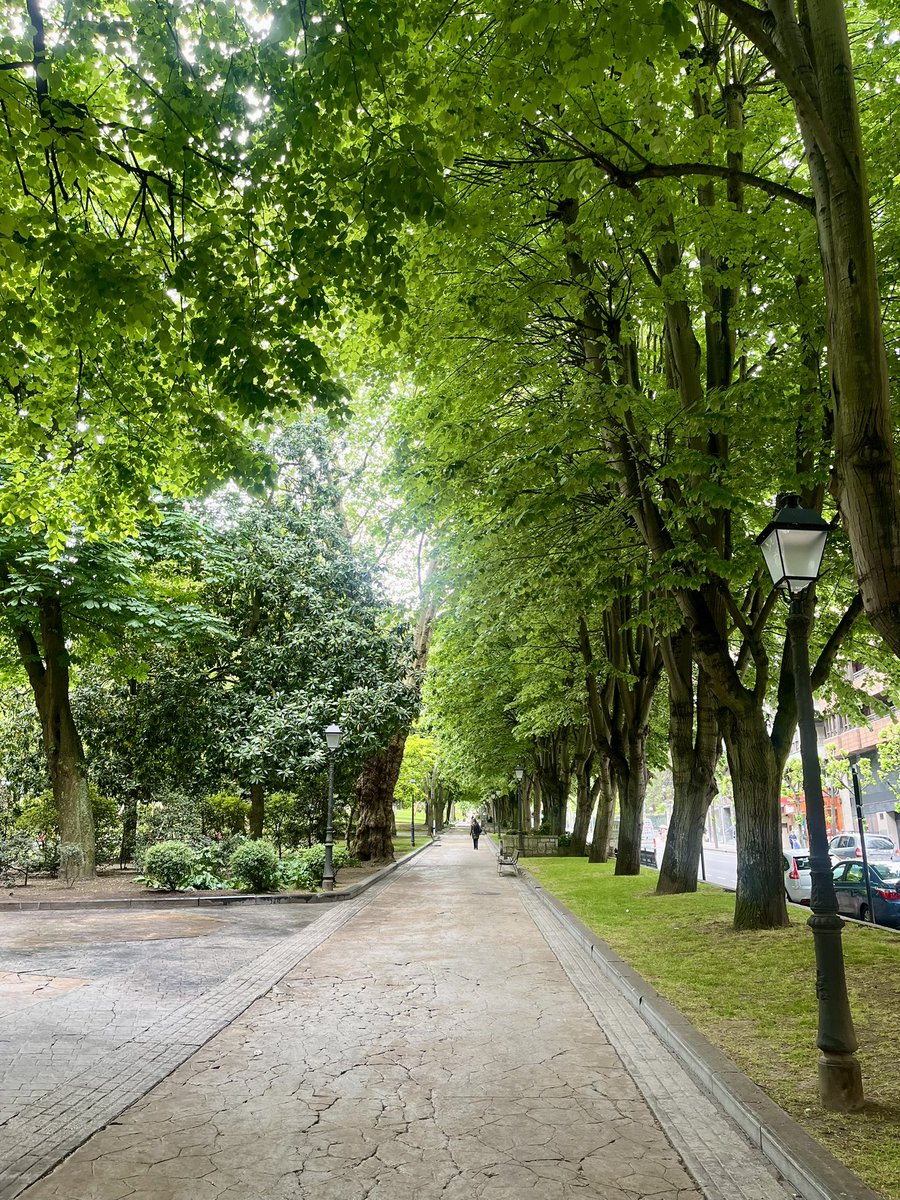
169,865
107,826
171,816
71,861
304,869
255,865
38,817
19,854
296,873
224,813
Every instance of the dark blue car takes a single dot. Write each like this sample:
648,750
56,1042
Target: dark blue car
850,886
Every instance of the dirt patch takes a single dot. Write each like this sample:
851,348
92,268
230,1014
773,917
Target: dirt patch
113,884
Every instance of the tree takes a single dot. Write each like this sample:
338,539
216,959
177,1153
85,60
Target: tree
809,50
90,596
148,316
642,293
309,640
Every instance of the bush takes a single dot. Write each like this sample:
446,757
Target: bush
304,869
255,865
296,873
19,854
39,818
107,826
224,813
171,816
209,871
168,865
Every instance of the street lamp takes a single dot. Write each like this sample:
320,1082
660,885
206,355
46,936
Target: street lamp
412,814
792,545
333,735
520,775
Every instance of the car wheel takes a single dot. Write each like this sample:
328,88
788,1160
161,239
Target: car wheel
865,914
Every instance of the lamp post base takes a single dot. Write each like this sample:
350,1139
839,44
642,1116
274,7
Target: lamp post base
327,885
840,1083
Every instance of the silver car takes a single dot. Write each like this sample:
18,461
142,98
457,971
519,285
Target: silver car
797,877
848,845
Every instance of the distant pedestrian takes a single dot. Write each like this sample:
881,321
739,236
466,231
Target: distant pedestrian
793,841
475,831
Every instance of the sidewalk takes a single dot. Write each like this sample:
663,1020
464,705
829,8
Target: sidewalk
437,1037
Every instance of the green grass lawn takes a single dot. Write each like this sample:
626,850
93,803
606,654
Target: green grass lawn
753,996
401,839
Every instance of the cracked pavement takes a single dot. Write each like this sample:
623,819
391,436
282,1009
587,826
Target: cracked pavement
438,1044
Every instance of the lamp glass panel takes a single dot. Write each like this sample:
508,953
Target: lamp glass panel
772,554
801,554
333,735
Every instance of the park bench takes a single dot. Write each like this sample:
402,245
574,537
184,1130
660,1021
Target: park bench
507,858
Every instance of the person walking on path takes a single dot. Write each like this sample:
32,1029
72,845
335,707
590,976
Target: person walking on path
475,831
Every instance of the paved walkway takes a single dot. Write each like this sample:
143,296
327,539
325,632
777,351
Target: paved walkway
435,1039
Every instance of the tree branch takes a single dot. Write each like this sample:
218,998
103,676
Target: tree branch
825,661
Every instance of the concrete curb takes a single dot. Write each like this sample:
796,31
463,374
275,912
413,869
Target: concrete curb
210,899
805,1163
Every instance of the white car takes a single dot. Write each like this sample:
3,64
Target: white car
797,876
848,845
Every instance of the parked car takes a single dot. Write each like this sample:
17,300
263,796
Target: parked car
797,878
849,845
853,900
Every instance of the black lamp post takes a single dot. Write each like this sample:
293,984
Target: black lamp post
412,814
792,545
520,775
333,735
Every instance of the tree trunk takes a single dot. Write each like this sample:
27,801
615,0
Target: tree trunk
604,787
681,857
694,748
554,793
632,784
64,753
584,805
129,830
582,763
554,776
375,802
439,808
375,785
756,779
257,809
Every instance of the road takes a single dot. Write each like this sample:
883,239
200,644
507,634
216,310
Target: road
721,867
